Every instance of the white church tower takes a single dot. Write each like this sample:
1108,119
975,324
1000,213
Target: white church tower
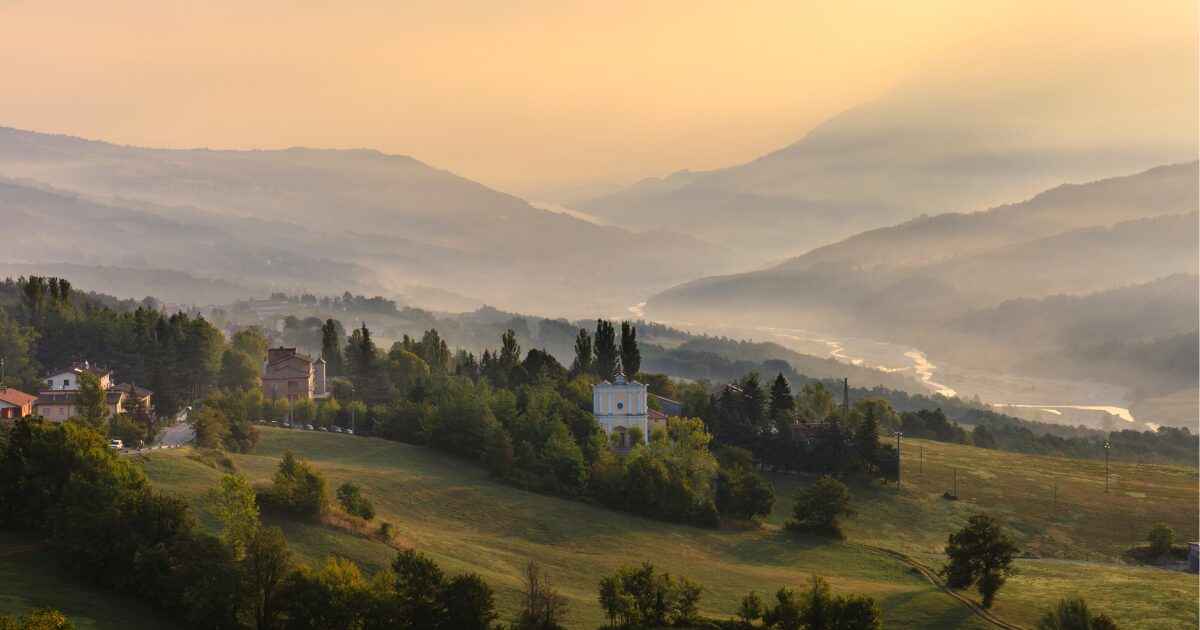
620,405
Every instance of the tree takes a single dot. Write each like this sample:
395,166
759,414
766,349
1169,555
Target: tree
819,505
604,348
469,603
210,427
235,507
267,563
1073,614
752,608
980,553
238,370
1161,536
631,357
331,346
418,584
866,441
299,487
743,493
253,342
498,452
583,354
544,607
351,498
782,405
90,404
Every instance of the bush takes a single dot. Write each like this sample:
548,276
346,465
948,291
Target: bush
298,487
1161,537
819,506
351,498
1072,614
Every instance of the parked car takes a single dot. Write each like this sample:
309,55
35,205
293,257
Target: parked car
350,431
337,429
322,429
117,444
309,427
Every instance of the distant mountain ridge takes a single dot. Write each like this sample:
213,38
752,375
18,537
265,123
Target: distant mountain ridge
391,221
1083,266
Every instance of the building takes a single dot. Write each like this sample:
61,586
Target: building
57,402
67,379
289,375
15,404
1194,557
620,405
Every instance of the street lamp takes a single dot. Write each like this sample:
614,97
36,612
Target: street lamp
1107,448
352,409
899,437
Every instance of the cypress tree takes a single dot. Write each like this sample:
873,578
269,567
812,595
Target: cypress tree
631,357
605,350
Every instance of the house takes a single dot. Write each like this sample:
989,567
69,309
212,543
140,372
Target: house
620,405
67,379
15,404
1194,557
290,375
57,402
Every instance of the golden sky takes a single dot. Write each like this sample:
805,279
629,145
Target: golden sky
523,96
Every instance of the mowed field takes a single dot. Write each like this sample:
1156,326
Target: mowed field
1091,528
451,510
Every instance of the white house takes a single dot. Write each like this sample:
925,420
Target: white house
620,405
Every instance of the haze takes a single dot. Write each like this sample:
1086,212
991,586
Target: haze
533,96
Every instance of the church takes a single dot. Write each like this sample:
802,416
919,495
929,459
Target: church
621,404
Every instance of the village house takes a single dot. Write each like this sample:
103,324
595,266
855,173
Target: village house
290,375
15,404
57,402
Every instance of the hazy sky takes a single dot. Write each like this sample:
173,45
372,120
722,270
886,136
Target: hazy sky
523,96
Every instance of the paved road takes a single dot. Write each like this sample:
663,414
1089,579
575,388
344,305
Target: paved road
179,433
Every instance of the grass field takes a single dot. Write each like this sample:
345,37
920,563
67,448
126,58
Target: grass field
29,578
1020,489
452,511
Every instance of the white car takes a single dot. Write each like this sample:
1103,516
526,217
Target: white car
117,444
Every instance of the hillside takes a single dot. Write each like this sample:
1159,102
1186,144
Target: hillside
996,289
367,218
455,513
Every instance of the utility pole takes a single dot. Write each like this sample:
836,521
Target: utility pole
1107,447
352,408
899,437
845,400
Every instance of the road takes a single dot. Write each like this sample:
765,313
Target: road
179,433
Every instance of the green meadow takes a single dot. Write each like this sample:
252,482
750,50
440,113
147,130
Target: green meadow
452,511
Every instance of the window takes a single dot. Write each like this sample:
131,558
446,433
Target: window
66,383
620,405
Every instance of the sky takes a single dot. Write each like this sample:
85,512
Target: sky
526,97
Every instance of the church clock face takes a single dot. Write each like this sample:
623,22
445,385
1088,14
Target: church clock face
620,405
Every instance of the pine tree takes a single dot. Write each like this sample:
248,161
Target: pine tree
782,404
631,357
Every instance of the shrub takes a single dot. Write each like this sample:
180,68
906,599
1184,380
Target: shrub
819,506
351,498
298,487
1161,537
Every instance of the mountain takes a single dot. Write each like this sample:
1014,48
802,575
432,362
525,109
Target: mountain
952,135
1102,270
365,218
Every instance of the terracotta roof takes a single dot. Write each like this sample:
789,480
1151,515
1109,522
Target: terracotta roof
16,397
114,396
654,414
